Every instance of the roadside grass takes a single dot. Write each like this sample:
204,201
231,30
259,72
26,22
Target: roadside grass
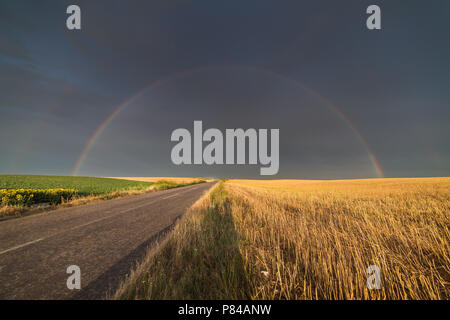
28,194
199,259
304,240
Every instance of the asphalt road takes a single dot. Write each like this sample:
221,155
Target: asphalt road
105,239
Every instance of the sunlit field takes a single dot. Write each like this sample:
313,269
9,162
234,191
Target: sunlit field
292,239
315,239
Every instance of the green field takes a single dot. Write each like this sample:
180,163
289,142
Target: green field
83,185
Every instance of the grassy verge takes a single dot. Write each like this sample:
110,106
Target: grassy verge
24,195
199,259
304,241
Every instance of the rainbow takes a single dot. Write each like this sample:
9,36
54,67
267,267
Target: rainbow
115,112
91,141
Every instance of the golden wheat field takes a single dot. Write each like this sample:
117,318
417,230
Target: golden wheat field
315,239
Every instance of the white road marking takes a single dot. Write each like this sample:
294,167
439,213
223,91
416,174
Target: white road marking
83,225
20,246
174,195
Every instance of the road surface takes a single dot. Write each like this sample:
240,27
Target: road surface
105,239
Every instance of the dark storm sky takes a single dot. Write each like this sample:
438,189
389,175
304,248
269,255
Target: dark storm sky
338,92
